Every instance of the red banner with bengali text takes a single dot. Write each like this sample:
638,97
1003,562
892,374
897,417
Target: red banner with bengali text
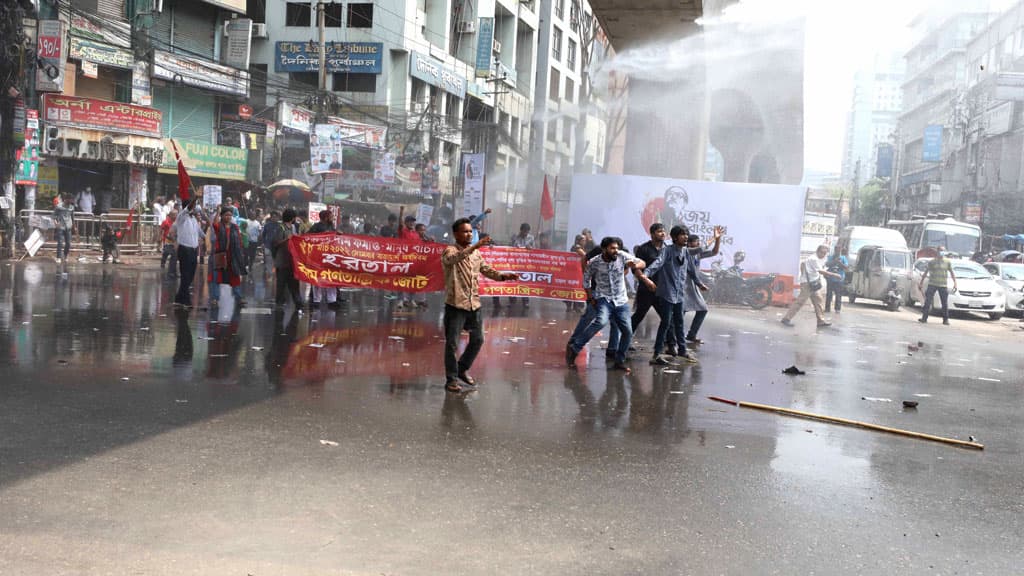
331,260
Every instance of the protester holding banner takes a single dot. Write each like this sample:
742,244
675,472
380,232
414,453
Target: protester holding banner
463,266
605,283
330,294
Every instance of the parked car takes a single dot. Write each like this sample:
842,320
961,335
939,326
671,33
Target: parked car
976,291
881,274
1011,277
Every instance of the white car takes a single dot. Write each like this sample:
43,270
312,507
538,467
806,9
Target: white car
976,291
1009,275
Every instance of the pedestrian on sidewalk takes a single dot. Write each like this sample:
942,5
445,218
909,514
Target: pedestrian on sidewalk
463,264
227,260
674,269
189,232
605,283
837,263
64,222
695,290
939,270
811,271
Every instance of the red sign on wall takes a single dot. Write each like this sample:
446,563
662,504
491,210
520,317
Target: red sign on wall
93,114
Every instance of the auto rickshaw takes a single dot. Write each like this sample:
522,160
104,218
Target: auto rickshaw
881,274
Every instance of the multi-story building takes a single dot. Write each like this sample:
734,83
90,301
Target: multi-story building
446,78
983,167
872,119
936,68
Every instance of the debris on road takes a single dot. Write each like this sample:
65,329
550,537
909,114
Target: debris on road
848,422
316,345
910,403
872,399
923,395
330,443
794,371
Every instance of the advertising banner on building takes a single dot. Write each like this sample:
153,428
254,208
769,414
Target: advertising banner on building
52,53
102,146
330,260
76,112
27,157
206,160
48,182
199,73
296,118
931,148
767,228
384,168
884,161
138,187
437,74
484,48
472,184
358,134
325,149
357,57
100,53
105,30
142,94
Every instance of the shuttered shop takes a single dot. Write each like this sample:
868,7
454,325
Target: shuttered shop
189,28
188,113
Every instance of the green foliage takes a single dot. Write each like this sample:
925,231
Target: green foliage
872,201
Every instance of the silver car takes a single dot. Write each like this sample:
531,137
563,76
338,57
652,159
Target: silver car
1009,275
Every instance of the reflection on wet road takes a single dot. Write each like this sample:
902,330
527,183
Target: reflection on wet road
135,437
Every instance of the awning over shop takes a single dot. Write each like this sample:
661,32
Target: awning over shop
205,160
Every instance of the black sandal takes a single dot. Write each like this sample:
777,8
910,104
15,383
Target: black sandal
467,379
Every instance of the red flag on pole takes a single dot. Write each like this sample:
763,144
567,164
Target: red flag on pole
547,208
128,224
184,182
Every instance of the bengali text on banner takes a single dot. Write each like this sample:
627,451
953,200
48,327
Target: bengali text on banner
328,260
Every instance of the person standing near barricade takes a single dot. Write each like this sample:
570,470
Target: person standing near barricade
64,226
189,232
463,266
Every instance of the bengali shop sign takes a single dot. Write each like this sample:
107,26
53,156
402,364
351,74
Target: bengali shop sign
93,114
404,266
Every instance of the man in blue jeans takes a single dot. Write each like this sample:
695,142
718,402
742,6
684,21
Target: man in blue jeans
677,269
64,222
605,283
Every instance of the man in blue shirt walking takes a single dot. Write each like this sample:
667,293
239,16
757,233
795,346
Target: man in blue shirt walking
677,269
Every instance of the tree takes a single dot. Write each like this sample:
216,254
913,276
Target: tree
872,204
594,43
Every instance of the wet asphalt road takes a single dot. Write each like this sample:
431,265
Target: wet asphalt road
137,440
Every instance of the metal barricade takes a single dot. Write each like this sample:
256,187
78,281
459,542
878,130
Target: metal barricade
143,238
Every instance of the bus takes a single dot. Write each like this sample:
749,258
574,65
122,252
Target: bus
925,234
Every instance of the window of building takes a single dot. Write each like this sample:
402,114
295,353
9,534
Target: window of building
355,82
567,129
298,14
570,56
574,16
560,8
360,15
570,89
556,81
332,15
303,81
257,10
556,43
553,130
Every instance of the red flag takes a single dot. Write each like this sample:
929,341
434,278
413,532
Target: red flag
128,224
547,208
184,182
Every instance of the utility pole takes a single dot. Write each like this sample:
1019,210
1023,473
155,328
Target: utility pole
321,23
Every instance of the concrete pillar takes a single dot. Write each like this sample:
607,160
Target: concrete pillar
666,129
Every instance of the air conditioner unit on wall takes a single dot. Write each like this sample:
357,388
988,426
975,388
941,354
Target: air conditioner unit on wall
259,30
467,27
497,47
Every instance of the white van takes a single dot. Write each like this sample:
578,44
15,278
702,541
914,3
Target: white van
853,238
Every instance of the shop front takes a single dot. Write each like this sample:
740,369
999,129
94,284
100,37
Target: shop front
110,147
208,165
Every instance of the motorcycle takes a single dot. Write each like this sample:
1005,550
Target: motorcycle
728,286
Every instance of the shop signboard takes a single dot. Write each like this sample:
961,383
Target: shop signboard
972,213
884,161
484,48
48,182
142,94
102,146
52,53
931,149
234,121
232,5
357,57
91,113
199,73
100,53
296,118
206,160
28,157
239,43
437,74
109,32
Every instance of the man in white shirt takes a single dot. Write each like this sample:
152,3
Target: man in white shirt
811,272
189,232
86,201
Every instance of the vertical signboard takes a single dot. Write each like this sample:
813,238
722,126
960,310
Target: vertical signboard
51,49
141,94
883,161
931,148
239,44
473,184
485,43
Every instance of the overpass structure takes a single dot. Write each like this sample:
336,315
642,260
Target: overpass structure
735,85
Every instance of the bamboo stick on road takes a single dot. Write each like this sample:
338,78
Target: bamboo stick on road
848,422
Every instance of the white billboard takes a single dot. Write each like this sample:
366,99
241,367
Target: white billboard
763,220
